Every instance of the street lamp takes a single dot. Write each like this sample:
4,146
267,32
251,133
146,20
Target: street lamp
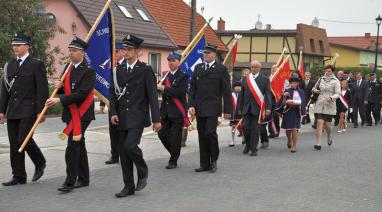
379,20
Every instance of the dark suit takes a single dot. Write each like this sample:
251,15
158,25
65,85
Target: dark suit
133,110
360,94
374,99
82,81
171,117
21,105
113,130
251,110
208,88
308,93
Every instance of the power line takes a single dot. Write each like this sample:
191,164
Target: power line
344,22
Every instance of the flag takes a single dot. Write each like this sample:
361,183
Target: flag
301,66
100,54
193,57
278,79
230,59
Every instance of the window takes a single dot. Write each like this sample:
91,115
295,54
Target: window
124,11
154,61
142,14
321,46
312,46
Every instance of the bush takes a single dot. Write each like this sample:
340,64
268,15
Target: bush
318,70
56,109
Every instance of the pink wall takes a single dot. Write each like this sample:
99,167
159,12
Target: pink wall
66,16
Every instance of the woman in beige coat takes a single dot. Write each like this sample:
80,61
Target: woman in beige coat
328,88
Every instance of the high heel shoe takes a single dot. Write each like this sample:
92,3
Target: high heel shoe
330,142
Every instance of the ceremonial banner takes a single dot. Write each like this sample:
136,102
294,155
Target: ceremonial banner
99,55
193,57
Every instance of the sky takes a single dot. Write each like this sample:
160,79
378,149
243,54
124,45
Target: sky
243,14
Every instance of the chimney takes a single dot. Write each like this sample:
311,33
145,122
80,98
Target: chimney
221,24
268,27
367,35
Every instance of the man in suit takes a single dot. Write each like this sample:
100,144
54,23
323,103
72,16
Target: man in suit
209,83
23,93
113,130
309,84
76,94
173,108
250,106
360,94
133,95
374,101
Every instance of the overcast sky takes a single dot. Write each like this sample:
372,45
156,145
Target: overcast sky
281,14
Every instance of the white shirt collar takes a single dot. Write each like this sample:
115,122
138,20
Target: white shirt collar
210,64
256,75
173,72
132,65
121,60
77,64
23,58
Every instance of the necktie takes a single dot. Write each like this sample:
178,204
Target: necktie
129,69
18,62
208,66
359,83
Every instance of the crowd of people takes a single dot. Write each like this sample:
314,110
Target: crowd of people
249,104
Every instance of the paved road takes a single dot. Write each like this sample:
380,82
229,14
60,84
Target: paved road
344,177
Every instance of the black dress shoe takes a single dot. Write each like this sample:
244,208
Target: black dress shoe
14,181
231,145
80,184
314,126
317,147
66,188
201,169
253,153
213,167
38,173
362,124
125,192
141,184
246,149
171,166
112,161
356,126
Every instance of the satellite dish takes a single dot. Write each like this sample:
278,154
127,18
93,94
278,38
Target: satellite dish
259,24
315,22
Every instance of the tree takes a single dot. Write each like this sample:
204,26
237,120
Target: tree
27,17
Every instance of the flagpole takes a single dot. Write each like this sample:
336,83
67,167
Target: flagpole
279,68
335,58
281,56
41,115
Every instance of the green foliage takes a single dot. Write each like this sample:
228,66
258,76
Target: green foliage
26,16
56,109
318,71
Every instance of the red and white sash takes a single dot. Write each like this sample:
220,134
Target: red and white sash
234,100
344,102
257,94
178,104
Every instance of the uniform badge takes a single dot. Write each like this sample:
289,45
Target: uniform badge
73,84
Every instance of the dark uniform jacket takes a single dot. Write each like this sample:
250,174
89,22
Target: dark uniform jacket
247,103
375,91
179,84
308,89
82,80
141,97
29,91
359,93
207,89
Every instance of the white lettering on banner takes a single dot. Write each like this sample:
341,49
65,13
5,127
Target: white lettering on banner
196,63
103,31
102,81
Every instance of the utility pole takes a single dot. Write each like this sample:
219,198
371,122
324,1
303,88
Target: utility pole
193,19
